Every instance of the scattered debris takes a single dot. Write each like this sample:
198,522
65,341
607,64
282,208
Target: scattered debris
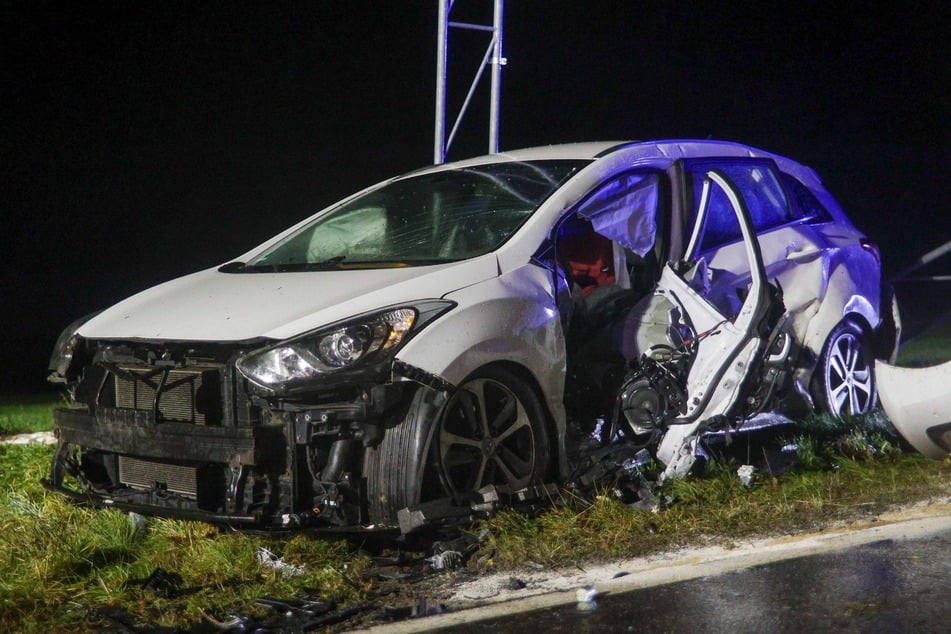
298,615
445,560
425,607
745,473
269,560
39,438
586,598
295,607
450,554
139,524
163,583
235,623
646,500
516,584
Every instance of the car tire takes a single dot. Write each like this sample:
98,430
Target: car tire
491,430
58,464
845,377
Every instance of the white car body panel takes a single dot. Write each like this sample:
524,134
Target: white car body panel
214,306
918,403
810,267
508,318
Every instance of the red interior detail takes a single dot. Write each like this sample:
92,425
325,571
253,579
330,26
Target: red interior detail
589,258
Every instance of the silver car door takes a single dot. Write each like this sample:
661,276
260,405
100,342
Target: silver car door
726,348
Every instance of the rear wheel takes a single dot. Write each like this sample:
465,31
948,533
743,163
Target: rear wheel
491,431
845,380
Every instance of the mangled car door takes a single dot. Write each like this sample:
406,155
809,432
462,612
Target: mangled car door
722,348
794,253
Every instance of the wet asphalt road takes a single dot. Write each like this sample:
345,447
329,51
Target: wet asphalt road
887,586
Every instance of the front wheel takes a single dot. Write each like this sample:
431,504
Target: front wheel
491,430
845,380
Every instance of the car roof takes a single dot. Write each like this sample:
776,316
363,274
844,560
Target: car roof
660,151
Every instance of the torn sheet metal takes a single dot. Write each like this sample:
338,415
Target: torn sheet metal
918,402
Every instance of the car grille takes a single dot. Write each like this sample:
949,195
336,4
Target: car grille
180,398
145,474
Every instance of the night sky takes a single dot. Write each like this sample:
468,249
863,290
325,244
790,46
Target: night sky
140,141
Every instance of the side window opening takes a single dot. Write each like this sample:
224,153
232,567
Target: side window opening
607,245
758,184
805,205
594,269
605,253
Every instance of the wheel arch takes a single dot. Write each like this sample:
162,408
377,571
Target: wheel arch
814,345
860,327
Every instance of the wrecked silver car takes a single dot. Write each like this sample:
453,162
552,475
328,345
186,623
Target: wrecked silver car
454,335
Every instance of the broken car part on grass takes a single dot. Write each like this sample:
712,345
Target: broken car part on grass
918,403
475,333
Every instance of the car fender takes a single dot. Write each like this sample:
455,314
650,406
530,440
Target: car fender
844,297
510,318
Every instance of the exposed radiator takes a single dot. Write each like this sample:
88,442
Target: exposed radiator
180,394
145,474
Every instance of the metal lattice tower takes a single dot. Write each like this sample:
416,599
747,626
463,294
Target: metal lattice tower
493,57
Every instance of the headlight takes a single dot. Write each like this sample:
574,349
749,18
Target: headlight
66,346
350,345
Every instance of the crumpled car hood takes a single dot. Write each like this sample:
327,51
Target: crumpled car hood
214,306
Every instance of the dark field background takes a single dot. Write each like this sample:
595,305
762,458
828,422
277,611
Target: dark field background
142,141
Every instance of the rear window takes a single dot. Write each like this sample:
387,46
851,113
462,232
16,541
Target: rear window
805,205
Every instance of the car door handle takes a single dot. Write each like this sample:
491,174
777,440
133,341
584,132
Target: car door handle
800,251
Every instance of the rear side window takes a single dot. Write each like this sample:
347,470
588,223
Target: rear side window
759,185
805,205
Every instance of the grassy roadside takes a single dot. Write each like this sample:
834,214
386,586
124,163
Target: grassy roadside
714,508
62,562
62,565
930,348
26,414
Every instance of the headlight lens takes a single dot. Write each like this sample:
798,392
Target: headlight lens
328,351
64,349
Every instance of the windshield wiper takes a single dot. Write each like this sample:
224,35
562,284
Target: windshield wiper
323,265
330,264
232,267
282,267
